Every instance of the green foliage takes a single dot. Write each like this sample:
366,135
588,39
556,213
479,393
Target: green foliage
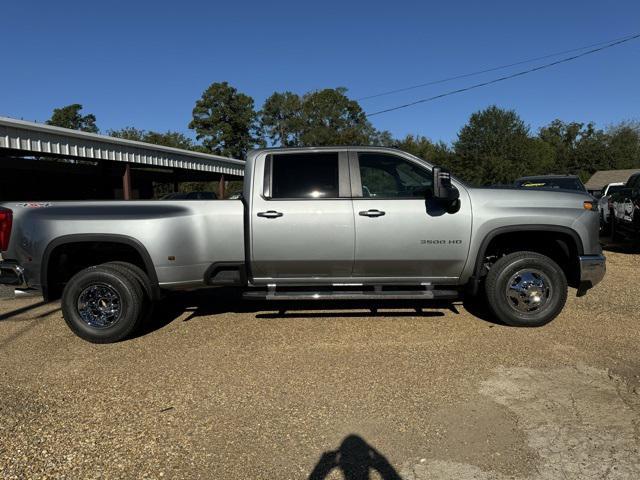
168,139
578,148
225,121
581,149
70,117
281,119
331,118
319,118
495,147
434,153
623,142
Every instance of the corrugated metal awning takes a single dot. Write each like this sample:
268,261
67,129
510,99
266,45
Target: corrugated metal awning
35,138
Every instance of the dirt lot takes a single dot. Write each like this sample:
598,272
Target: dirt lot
217,392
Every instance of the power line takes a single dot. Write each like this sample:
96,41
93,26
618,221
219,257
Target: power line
493,69
506,77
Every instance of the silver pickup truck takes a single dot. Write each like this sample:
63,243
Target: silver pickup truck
312,224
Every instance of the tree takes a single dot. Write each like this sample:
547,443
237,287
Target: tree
624,145
322,117
69,117
331,118
281,119
435,153
168,139
225,121
579,148
495,147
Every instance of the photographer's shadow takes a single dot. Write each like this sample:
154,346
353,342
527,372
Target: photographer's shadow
356,459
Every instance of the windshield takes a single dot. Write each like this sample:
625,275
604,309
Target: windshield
568,183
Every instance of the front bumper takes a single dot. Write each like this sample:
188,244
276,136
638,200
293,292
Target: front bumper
592,270
12,274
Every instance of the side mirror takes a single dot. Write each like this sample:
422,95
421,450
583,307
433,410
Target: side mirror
443,191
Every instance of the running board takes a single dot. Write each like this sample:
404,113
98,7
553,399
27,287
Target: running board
354,295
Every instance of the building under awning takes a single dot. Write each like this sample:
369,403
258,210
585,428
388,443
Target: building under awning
43,162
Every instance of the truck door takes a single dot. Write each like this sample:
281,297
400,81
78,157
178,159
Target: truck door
399,235
302,226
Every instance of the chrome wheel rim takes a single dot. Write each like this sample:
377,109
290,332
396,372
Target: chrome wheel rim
528,291
99,306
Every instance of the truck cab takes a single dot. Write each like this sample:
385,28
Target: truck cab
356,215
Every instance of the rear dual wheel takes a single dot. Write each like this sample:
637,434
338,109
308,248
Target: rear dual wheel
106,303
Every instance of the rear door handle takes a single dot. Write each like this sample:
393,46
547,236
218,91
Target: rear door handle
270,214
372,213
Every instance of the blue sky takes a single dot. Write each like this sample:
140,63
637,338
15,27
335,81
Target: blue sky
144,63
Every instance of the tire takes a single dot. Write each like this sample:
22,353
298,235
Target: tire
138,273
102,305
142,279
515,283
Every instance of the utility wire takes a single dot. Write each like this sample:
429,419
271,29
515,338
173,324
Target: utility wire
506,77
493,69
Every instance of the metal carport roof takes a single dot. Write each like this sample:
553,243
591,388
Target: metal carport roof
36,138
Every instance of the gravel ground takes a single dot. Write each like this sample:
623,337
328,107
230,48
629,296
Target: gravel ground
220,389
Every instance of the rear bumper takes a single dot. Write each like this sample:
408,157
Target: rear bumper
12,274
592,270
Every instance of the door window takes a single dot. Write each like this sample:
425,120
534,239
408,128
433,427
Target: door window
308,175
388,176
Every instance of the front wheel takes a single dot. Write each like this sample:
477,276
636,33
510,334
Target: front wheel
102,305
526,289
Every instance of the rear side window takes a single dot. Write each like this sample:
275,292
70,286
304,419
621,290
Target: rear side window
308,175
634,182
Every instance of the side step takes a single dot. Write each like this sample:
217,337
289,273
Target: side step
377,294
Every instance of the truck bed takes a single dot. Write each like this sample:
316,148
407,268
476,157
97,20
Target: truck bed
183,238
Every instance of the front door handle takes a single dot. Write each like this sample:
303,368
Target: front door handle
270,214
372,213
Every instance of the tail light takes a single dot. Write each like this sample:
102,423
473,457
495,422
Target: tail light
6,220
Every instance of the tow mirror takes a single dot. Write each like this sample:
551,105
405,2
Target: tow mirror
444,191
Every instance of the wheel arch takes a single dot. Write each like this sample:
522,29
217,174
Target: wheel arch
530,231
97,238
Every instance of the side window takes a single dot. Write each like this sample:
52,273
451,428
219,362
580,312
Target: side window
634,182
388,176
306,175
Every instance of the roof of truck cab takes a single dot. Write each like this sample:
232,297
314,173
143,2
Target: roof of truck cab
328,148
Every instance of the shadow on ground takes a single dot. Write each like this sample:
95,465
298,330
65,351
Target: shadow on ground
206,303
215,302
623,247
356,460
27,308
